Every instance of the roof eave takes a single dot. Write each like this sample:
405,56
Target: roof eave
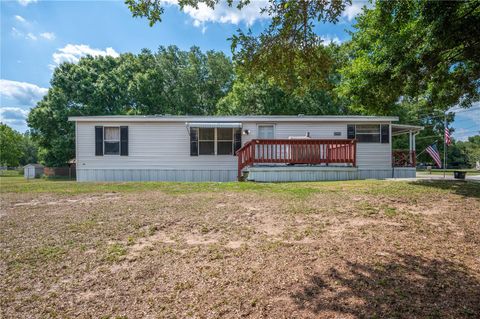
247,118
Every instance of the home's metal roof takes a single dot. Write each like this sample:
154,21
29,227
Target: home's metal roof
241,118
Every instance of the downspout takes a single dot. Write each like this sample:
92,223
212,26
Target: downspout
415,150
410,154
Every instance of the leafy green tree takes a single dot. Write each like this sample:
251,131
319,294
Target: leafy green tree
471,150
418,55
259,96
170,81
10,146
256,94
415,59
29,150
289,52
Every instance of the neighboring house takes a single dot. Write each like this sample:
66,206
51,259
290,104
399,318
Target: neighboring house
224,148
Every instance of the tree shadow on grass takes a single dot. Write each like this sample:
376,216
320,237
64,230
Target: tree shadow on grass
406,286
463,188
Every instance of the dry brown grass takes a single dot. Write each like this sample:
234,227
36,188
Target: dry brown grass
312,250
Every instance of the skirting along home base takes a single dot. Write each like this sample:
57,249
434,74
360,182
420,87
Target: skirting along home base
228,148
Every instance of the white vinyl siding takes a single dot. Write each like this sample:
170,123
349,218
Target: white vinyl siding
374,155
151,145
166,146
284,130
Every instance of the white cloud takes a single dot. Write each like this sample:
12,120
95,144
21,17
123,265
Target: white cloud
355,9
73,52
15,117
461,134
25,26
20,19
31,36
470,114
21,92
327,40
16,32
223,13
467,121
48,35
26,2
13,113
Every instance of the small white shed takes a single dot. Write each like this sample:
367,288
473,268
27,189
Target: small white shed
32,170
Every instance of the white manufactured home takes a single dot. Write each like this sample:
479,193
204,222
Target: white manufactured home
227,148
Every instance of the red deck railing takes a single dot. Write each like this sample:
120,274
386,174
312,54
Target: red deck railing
291,151
404,158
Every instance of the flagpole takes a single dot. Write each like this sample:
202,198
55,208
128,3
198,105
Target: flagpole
445,146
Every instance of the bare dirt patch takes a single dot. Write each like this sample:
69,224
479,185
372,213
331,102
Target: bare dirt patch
349,250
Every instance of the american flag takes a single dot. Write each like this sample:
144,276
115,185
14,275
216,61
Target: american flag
433,151
448,141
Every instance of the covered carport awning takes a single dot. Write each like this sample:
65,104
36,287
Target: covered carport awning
398,129
213,125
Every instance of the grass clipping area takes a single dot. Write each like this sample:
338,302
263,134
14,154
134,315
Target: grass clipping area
356,249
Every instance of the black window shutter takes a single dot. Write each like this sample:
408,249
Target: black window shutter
193,142
124,140
237,140
385,132
98,140
350,131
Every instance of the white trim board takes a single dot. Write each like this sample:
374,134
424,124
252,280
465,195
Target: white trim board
226,119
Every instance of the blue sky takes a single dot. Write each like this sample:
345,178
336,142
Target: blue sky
37,35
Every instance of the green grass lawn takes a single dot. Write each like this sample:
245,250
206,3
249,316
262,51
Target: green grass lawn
9,173
18,184
346,249
448,172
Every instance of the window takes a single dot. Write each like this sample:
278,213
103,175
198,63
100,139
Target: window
194,141
206,141
368,133
215,141
111,140
351,131
266,132
224,141
385,129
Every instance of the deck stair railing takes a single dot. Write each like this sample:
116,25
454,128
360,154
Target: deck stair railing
404,158
296,151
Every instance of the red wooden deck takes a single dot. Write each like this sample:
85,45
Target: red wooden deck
296,151
404,158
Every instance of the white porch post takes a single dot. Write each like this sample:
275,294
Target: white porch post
414,147
410,147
